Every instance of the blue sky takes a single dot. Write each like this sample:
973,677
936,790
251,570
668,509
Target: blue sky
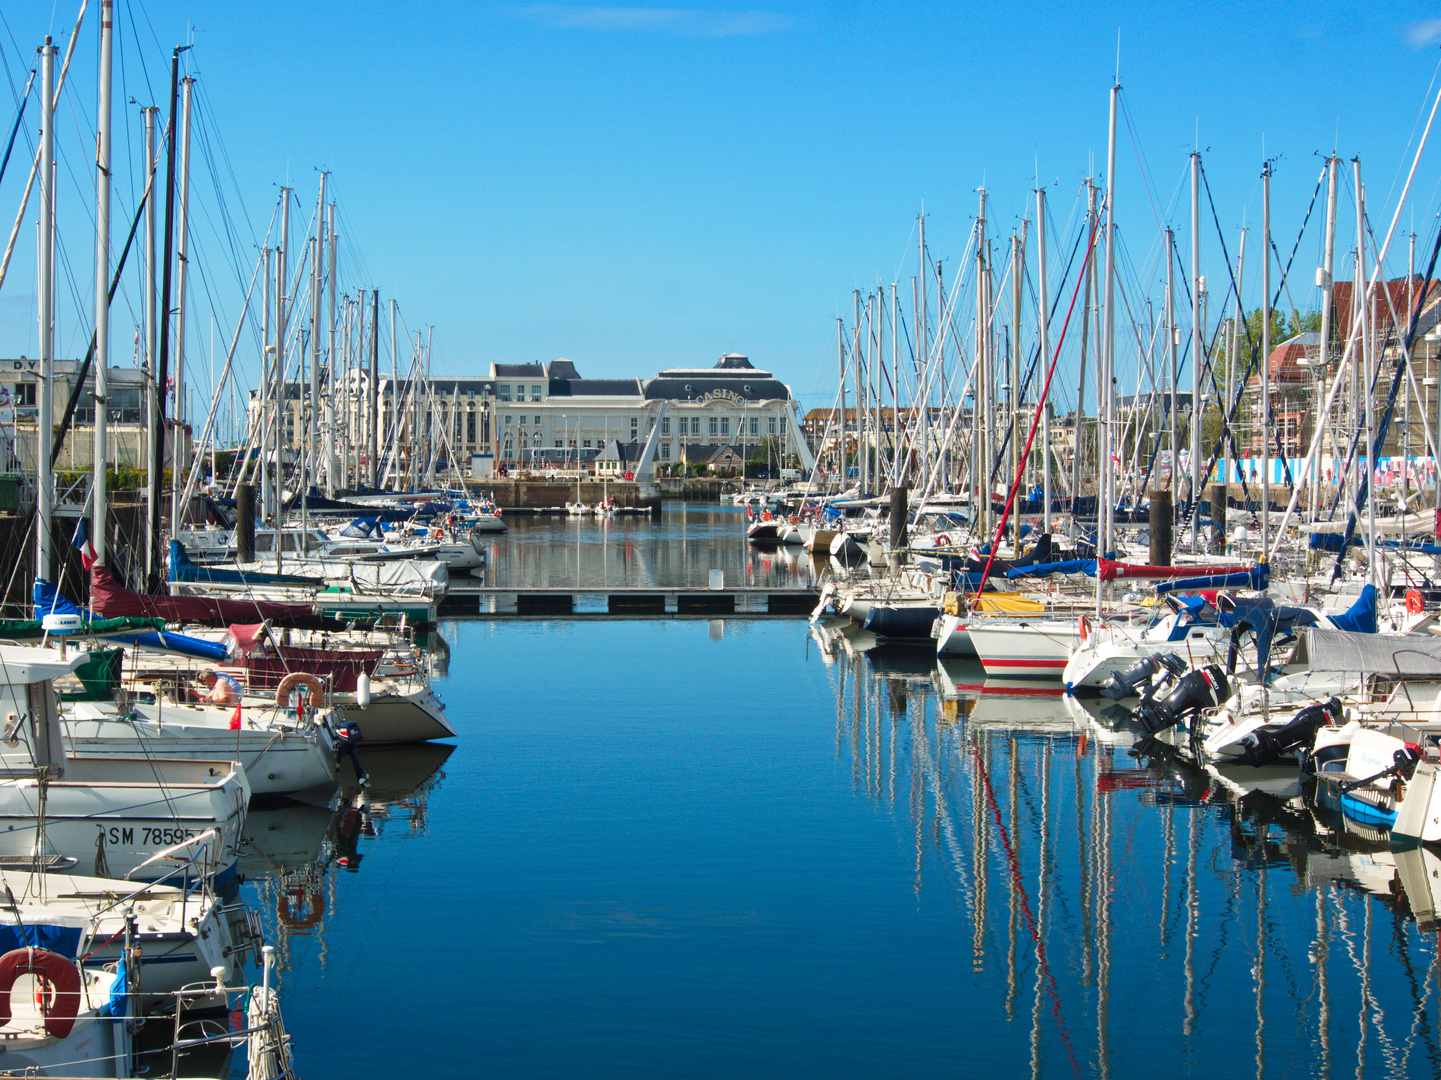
645,186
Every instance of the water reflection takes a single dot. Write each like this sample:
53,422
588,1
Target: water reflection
1140,914
678,549
294,849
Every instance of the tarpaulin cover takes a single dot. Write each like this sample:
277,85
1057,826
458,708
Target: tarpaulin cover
1360,617
180,644
182,569
1332,542
1400,654
1264,620
343,669
58,939
1070,566
246,635
111,599
1256,578
1111,570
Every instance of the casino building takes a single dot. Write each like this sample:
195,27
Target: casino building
547,416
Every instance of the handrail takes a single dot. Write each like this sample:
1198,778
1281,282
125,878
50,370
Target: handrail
207,835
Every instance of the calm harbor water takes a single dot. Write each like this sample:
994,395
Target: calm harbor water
725,848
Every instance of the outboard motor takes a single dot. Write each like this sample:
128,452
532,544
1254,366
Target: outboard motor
347,738
1197,690
1267,747
1136,679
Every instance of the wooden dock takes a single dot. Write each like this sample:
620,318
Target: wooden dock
630,601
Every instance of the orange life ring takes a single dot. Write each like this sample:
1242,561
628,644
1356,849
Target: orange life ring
299,678
286,914
1415,604
1083,627
630,476
944,540
61,1005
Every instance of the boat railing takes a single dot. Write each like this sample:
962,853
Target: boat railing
203,840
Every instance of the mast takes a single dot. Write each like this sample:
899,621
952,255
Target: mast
162,373
923,340
394,395
1015,395
1173,336
180,448
152,464
862,454
981,390
430,416
1077,435
102,274
317,425
333,386
1043,326
1196,341
45,270
264,394
1369,358
373,390
1325,279
1108,347
1265,358
282,398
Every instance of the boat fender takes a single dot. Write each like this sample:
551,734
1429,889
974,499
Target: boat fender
286,914
59,987
362,690
291,682
1083,627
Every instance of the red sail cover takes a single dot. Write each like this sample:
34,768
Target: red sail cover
1109,570
108,595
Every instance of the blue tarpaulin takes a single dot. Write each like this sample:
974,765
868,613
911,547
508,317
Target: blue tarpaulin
1360,618
1256,578
1070,566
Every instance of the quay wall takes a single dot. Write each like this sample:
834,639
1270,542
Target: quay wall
543,494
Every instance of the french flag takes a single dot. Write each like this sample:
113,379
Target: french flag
81,540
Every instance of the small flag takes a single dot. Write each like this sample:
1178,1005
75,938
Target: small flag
235,720
81,540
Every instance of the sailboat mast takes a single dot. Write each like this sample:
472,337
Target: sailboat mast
1043,326
1078,433
1196,340
102,274
373,390
180,447
1265,358
1173,339
266,380
152,463
1108,346
1326,279
1369,358
316,424
333,386
1015,395
45,270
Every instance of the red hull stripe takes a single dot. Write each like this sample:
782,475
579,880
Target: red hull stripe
998,662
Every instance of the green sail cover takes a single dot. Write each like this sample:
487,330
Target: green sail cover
30,629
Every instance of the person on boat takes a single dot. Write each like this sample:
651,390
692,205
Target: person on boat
223,689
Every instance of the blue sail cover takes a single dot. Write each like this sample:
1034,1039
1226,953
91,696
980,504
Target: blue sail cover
49,599
1257,578
1360,618
1070,566
182,569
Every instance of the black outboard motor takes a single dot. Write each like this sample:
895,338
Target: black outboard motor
1267,747
347,738
1201,689
1136,679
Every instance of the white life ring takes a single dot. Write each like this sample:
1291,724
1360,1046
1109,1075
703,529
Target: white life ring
944,540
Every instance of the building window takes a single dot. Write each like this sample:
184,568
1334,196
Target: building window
755,425
558,444
503,391
665,451
586,444
470,427
634,424
537,421
725,425
772,423
535,393
523,418
713,425
665,425
508,419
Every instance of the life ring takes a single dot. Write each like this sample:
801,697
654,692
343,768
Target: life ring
943,540
1415,604
1083,627
436,533
62,1003
630,476
286,914
299,678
